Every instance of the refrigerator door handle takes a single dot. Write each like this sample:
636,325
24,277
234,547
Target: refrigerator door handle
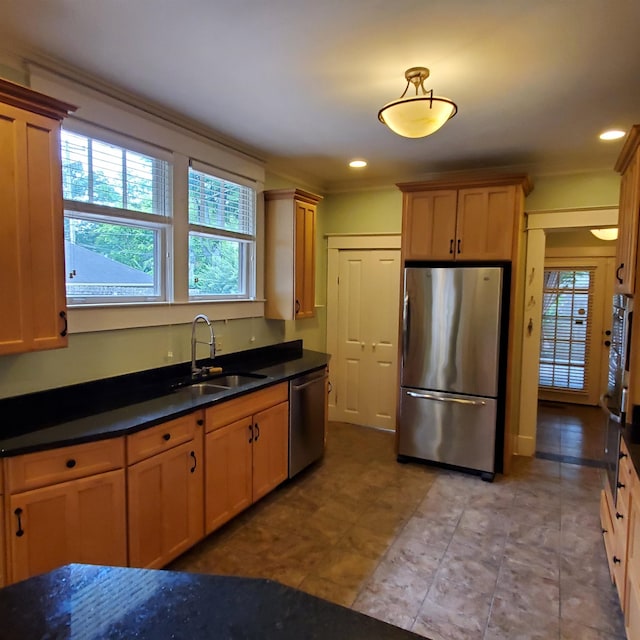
428,396
405,325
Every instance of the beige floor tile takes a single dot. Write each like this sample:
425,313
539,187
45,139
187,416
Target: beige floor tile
428,549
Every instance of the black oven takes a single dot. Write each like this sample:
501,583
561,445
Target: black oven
614,401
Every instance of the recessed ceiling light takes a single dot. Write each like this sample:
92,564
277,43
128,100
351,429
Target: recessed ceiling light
613,134
358,164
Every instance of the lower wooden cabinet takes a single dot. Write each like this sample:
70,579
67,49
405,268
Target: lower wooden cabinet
165,493
80,520
3,576
247,452
621,531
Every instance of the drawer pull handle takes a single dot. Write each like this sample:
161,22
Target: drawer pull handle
257,431
200,422
70,463
619,516
622,455
616,560
604,531
166,437
20,531
620,485
195,462
251,432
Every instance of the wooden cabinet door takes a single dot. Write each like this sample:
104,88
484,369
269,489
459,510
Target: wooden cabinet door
485,223
305,259
78,521
429,226
165,505
270,449
3,574
628,227
228,472
32,278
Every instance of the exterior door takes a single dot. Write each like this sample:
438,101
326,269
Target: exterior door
576,314
367,371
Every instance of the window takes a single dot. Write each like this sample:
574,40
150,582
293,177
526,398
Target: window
566,329
222,216
117,204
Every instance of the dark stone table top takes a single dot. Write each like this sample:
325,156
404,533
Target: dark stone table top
90,602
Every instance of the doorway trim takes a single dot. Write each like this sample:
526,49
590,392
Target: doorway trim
538,222
342,242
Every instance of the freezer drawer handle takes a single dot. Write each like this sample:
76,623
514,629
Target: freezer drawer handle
428,396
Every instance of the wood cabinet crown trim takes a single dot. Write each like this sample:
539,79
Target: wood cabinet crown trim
469,181
24,98
630,145
296,194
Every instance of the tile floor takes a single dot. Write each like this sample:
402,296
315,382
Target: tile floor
438,552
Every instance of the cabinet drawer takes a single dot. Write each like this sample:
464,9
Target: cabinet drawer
33,470
222,414
167,435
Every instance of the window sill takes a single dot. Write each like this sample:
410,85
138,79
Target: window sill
129,316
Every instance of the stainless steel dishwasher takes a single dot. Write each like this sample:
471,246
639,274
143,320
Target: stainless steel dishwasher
307,419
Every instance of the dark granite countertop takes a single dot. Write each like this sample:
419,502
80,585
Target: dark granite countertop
61,426
90,602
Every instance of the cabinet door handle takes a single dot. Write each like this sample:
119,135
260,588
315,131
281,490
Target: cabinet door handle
195,462
618,270
619,516
166,437
20,531
297,306
200,422
63,315
620,485
257,431
251,432
451,246
459,245
616,560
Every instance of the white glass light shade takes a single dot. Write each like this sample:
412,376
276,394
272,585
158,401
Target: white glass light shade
417,116
606,234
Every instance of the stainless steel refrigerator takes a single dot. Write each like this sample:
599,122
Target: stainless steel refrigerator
450,401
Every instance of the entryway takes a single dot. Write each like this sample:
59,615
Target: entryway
362,328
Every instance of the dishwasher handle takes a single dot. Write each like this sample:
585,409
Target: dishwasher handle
304,385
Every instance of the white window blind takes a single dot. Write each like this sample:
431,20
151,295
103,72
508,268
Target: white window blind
566,329
222,228
117,205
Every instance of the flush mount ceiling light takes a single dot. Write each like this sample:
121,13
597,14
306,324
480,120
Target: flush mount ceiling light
419,115
606,234
358,164
613,134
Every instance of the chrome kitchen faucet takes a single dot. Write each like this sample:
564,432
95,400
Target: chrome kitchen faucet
195,370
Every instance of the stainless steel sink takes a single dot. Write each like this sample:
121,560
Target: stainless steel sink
206,388
230,381
224,383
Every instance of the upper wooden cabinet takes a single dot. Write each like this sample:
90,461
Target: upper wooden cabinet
32,280
473,219
628,165
290,232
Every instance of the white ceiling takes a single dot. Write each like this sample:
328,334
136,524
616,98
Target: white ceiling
300,82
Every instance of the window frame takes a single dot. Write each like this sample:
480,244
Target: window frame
174,231
248,241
